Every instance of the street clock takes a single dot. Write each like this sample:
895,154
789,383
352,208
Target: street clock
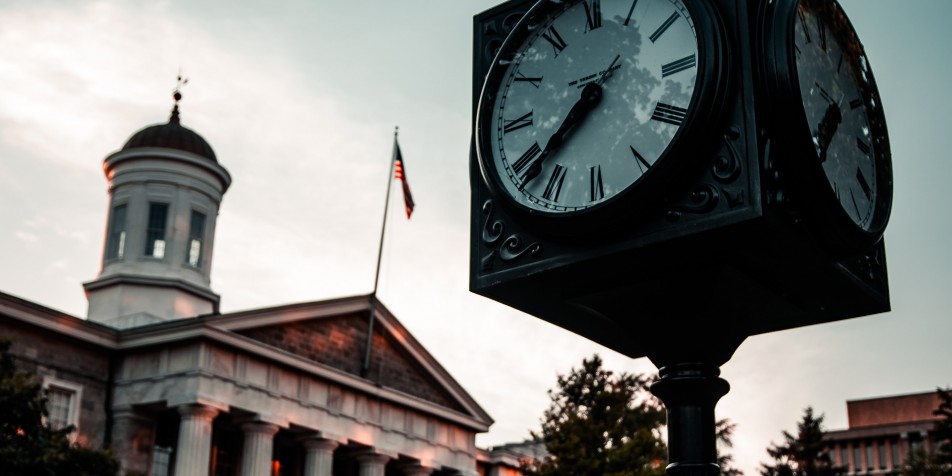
652,171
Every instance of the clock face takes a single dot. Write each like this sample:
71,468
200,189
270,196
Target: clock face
835,87
586,101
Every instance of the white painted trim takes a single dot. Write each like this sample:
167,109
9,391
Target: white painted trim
72,417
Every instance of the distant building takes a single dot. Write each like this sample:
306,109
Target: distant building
178,388
509,459
883,432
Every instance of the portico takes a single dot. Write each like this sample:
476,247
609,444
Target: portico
219,401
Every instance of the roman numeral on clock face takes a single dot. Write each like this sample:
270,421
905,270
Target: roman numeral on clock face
525,159
630,10
863,184
863,146
525,79
517,123
803,24
643,164
593,14
595,178
554,186
682,64
553,37
669,114
664,27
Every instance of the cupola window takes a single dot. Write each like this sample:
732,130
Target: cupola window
196,237
116,240
155,233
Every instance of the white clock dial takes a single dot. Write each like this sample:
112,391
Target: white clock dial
558,149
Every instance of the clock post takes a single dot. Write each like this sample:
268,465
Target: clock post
670,177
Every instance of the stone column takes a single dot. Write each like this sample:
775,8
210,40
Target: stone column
133,437
195,440
319,456
372,464
258,449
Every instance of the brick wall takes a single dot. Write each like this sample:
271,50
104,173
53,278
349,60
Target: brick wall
340,342
887,410
47,353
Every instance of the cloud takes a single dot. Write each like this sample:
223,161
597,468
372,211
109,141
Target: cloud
26,237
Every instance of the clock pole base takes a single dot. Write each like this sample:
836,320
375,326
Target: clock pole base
689,392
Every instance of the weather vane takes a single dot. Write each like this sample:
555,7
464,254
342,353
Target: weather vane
177,96
177,93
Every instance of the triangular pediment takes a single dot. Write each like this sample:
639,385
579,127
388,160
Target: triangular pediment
334,334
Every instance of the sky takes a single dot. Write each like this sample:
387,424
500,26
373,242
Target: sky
299,99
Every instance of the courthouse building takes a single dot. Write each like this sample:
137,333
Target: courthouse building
156,372
883,432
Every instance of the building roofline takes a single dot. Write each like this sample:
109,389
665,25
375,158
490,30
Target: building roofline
890,397
37,315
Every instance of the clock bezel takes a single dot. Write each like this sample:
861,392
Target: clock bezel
795,154
684,152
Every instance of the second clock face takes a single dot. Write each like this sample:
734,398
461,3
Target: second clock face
592,99
833,75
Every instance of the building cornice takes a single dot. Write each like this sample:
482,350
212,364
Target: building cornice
162,335
176,155
142,280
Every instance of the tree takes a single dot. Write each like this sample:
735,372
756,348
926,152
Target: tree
804,454
28,445
921,463
724,430
943,430
939,462
601,424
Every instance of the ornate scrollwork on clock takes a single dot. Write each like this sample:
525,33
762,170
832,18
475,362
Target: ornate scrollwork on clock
511,248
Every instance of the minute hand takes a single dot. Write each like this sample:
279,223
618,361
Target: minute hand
591,95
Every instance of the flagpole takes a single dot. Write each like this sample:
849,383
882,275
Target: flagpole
383,229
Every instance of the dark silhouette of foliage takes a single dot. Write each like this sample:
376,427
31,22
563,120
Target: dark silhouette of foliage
601,424
28,445
939,462
943,430
803,454
724,430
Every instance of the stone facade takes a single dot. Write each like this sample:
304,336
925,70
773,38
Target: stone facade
254,393
64,357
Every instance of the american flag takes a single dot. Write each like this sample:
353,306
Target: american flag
401,174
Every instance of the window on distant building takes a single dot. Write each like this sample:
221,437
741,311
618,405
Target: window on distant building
155,233
882,454
869,456
196,238
857,466
896,464
161,461
62,403
116,241
845,455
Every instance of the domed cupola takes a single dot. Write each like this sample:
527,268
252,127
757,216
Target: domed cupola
165,189
172,135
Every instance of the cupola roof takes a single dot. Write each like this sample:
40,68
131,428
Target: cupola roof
172,135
